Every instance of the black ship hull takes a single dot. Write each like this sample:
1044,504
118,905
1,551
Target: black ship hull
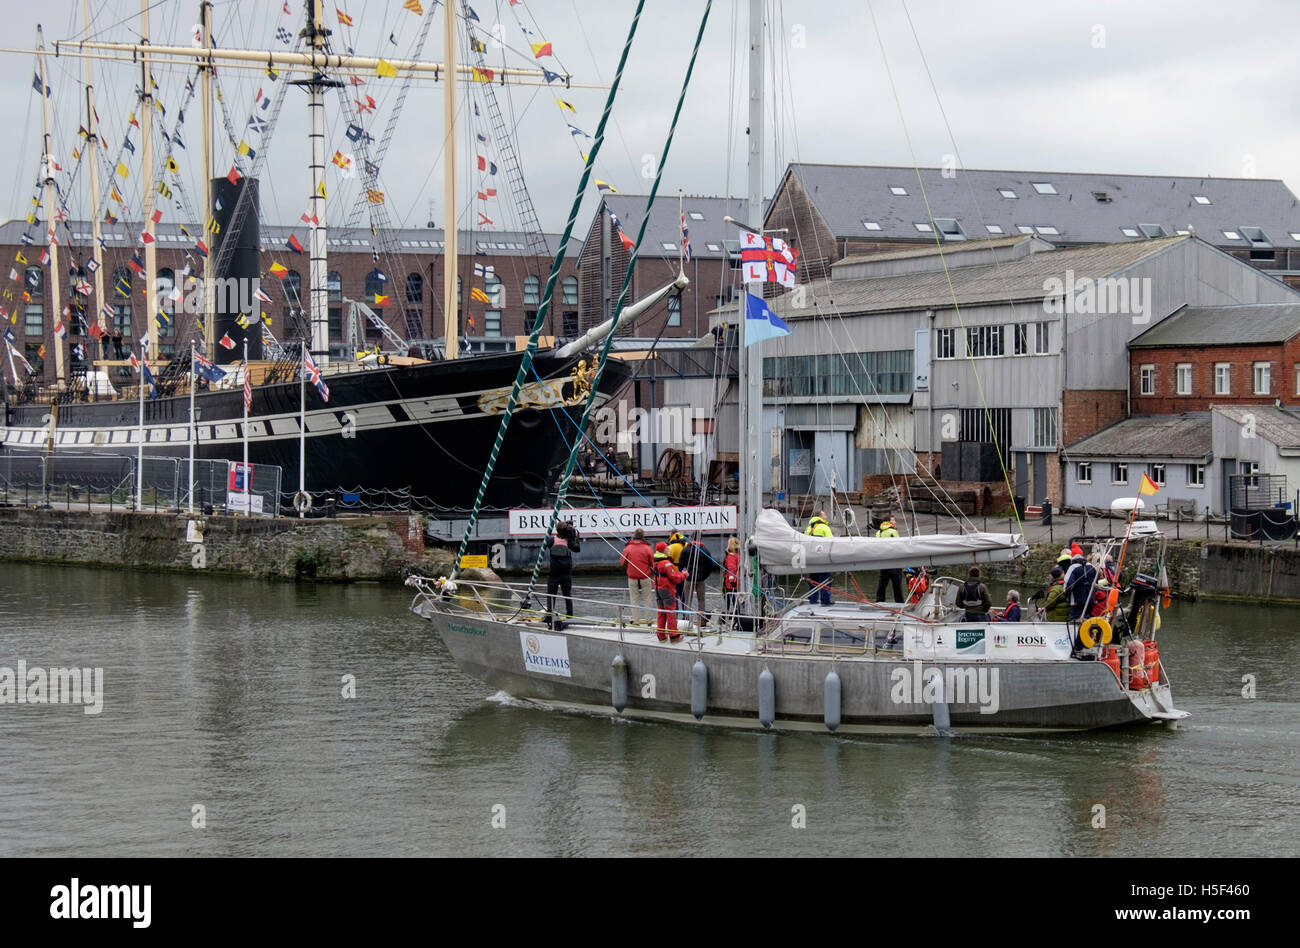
427,428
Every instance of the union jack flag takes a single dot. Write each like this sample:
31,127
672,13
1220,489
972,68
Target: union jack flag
311,372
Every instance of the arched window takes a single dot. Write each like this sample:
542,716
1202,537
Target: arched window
293,288
532,290
165,284
414,289
334,286
495,291
570,285
376,285
34,282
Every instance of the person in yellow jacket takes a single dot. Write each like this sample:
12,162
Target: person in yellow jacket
676,545
821,582
889,577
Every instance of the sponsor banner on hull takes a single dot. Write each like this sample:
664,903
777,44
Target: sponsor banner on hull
545,654
621,521
997,641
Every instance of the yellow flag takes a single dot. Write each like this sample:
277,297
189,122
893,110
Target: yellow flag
278,269
375,197
31,218
243,147
122,170
76,155
605,186
1147,486
414,7
385,68
172,166
20,258
565,105
476,294
320,189
482,75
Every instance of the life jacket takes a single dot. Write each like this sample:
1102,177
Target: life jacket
667,576
886,532
561,557
1099,597
818,527
731,576
971,600
676,544
918,588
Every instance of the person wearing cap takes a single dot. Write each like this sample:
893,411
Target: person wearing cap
820,582
676,546
974,597
667,578
1057,606
638,560
891,577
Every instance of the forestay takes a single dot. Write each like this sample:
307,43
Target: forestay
783,551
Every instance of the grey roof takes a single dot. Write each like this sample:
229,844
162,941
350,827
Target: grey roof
1280,427
1020,279
1149,436
665,223
905,253
846,195
1238,325
497,243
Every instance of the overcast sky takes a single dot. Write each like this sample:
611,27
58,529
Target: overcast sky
1186,87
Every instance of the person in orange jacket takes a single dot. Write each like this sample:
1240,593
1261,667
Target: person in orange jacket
667,578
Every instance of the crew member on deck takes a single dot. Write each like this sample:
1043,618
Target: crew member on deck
559,576
974,597
731,579
667,578
821,582
891,577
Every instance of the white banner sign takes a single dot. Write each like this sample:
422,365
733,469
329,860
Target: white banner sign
621,521
545,654
242,502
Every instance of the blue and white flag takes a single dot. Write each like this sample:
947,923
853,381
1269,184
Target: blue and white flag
312,373
207,370
760,322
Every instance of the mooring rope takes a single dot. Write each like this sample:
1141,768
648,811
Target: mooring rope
527,361
622,296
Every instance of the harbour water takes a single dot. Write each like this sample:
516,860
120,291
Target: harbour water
224,704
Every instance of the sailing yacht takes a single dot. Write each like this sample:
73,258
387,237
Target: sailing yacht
848,667
390,421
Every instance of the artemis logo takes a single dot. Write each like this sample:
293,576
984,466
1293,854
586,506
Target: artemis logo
103,901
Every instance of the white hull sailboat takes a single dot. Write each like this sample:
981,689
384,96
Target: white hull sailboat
847,667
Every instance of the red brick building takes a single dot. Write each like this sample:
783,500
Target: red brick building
411,260
1217,355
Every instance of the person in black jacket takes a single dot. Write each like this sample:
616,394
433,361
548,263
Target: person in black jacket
697,561
559,574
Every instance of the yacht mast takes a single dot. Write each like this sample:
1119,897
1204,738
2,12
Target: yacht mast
155,303
750,362
205,117
51,214
450,255
92,158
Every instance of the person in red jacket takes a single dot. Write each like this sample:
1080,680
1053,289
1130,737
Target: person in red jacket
638,560
731,578
667,578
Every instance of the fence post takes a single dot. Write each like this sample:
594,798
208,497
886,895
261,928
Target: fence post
1207,521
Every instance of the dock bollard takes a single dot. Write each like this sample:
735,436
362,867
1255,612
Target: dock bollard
832,701
618,683
942,719
766,698
699,689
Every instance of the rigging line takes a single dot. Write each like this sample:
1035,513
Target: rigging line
952,292
551,281
627,276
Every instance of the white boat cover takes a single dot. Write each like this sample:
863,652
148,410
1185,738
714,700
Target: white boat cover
784,551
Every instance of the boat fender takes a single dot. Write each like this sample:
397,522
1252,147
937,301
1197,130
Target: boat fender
618,683
832,701
302,502
699,689
1156,626
939,707
1093,631
766,698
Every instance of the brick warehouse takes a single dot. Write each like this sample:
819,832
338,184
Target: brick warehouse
414,269
1217,355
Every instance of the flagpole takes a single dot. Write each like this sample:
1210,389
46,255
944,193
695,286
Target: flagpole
248,481
139,437
1119,565
190,505
302,424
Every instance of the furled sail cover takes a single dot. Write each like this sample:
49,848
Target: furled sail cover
783,551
